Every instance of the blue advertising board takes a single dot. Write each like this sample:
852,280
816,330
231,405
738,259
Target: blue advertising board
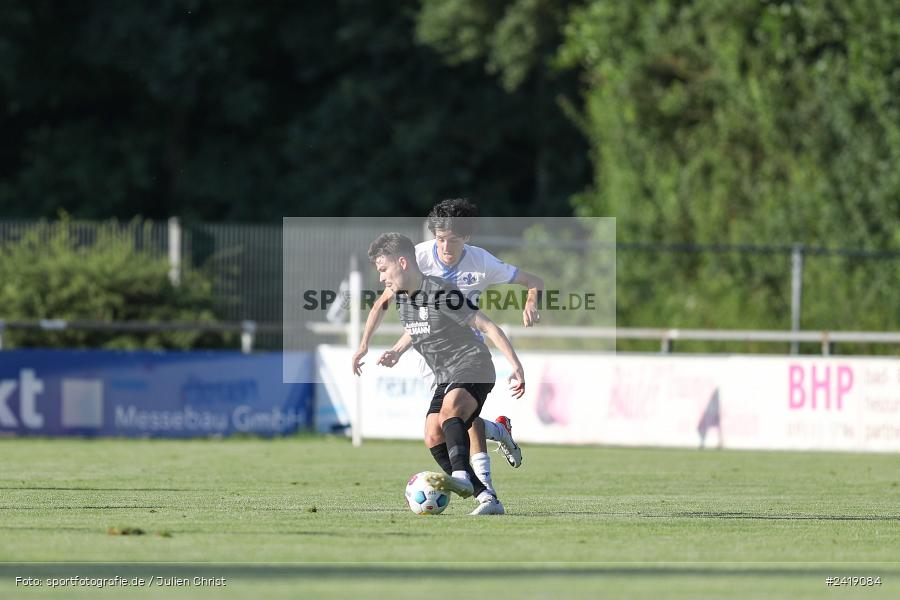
157,394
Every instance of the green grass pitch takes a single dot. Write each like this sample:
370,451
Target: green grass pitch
310,517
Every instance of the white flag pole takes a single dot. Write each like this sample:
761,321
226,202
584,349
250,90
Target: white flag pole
353,335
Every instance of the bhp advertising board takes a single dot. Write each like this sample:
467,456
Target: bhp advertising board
764,402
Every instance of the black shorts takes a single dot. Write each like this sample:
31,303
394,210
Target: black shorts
479,391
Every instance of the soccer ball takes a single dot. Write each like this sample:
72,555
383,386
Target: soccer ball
424,499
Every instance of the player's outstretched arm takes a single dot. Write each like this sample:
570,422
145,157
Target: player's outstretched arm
535,285
376,316
392,357
496,335
498,272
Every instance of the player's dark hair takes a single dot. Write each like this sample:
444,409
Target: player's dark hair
392,245
457,215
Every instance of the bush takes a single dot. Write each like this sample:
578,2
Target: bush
65,270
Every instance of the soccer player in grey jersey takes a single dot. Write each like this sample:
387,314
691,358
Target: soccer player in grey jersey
438,321
451,257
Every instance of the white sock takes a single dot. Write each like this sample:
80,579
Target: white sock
481,464
460,475
491,431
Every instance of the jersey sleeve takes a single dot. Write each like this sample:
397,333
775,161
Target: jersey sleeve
424,252
496,271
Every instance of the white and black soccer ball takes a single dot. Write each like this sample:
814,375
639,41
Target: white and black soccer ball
422,498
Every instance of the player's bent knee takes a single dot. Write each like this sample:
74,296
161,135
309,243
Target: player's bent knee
448,412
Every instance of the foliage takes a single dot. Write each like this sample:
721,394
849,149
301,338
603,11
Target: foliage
515,41
61,271
744,123
242,111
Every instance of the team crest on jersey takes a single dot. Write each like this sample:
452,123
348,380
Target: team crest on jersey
468,279
423,313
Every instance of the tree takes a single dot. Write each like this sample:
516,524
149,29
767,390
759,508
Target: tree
746,122
245,111
516,41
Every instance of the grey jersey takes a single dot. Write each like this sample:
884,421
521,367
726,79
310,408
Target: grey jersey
438,318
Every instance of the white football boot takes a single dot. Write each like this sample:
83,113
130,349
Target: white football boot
507,446
491,506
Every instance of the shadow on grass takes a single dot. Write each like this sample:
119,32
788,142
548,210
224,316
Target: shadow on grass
414,571
94,489
177,532
705,515
765,517
105,507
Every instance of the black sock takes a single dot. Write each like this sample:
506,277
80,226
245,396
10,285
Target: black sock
456,438
441,457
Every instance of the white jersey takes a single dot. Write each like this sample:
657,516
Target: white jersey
476,270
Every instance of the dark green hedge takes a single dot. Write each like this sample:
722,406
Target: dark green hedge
50,272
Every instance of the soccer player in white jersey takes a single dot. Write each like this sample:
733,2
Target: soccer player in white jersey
472,270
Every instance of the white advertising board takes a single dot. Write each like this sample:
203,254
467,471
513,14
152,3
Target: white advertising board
838,403
764,402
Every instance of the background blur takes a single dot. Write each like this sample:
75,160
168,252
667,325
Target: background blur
727,139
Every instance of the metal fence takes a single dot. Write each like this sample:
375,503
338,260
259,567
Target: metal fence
665,339
341,333
246,263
